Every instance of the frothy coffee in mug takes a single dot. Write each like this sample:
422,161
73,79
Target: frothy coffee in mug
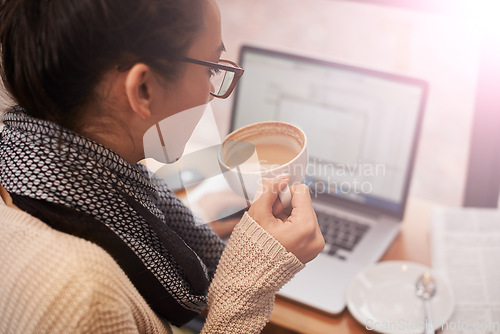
269,155
263,150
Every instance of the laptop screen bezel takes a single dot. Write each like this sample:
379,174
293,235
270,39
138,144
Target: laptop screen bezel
330,198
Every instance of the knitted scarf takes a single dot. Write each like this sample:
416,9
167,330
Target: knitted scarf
80,187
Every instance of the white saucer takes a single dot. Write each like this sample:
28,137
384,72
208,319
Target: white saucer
383,299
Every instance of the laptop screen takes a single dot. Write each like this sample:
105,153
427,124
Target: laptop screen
361,125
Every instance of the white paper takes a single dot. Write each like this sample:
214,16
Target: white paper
465,248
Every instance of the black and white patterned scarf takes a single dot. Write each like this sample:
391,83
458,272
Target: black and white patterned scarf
167,253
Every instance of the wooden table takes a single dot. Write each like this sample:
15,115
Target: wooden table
411,244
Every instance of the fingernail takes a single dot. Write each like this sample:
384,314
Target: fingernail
284,176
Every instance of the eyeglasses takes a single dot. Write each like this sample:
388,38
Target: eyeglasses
223,75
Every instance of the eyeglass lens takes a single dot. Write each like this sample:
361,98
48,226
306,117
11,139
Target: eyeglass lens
221,80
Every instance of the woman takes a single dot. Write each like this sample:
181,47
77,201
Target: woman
90,241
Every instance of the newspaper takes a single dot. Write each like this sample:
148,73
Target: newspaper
465,248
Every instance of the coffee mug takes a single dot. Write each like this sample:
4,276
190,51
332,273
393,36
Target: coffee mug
263,150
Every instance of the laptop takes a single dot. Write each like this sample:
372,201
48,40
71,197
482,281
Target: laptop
362,128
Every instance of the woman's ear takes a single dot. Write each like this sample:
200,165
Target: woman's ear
138,87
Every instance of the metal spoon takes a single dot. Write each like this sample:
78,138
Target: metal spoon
426,289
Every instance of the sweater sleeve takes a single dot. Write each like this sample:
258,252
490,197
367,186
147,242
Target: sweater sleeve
253,267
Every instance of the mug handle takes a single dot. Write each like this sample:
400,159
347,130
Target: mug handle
285,197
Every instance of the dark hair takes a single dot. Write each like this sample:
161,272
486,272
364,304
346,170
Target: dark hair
55,52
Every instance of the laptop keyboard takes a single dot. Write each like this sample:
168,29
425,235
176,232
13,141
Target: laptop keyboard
340,233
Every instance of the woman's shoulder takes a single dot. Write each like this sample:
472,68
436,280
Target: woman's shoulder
50,272
35,253
23,235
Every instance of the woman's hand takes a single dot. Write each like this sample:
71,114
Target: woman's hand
299,233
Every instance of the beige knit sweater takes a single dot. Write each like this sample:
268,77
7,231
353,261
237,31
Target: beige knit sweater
51,282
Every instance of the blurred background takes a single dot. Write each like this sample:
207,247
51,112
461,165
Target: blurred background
439,42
